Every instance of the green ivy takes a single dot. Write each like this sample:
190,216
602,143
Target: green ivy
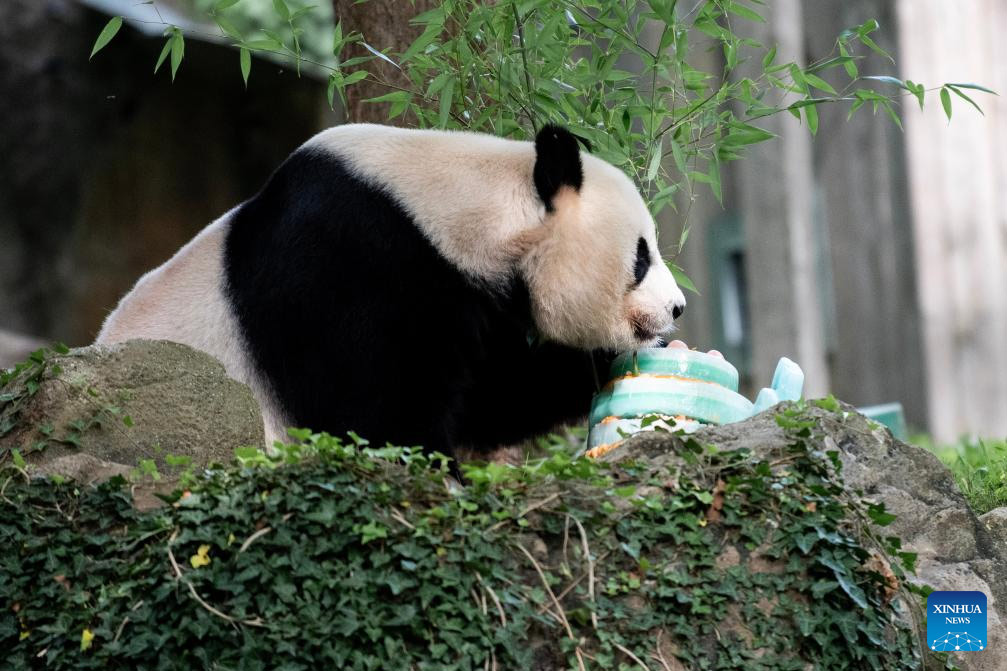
337,553
18,385
333,553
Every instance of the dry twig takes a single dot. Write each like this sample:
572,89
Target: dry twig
251,539
590,569
495,598
534,506
255,622
629,653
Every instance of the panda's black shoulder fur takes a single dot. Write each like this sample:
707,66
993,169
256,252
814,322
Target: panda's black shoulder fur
359,324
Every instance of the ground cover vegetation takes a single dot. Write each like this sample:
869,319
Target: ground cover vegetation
337,552
979,467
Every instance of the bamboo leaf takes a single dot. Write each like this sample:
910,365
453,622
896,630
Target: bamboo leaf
445,110
745,12
379,54
973,86
281,9
958,93
177,52
164,54
819,83
106,35
888,79
767,60
228,28
681,278
655,160
946,102
891,112
811,115
246,64
850,66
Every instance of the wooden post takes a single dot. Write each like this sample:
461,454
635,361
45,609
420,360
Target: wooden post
859,164
958,173
775,187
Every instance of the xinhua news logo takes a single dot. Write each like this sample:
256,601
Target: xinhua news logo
956,621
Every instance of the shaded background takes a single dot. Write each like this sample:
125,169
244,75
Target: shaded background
875,258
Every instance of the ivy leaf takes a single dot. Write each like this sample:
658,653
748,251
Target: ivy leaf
201,558
86,638
879,516
106,35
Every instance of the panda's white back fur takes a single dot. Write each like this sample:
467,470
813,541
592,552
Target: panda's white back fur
183,301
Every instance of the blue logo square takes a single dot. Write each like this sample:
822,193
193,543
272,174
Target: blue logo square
956,621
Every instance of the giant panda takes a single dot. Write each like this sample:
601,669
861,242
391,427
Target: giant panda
447,289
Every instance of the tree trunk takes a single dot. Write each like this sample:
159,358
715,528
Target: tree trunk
384,25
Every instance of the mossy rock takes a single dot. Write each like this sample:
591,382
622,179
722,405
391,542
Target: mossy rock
97,411
675,555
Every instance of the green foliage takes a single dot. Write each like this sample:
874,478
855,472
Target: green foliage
22,382
979,467
106,34
19,384
333,553
633,77
305,26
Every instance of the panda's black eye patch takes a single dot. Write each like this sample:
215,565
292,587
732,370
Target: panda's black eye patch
642,263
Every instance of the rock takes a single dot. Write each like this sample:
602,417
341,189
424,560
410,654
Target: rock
956,551
713,559
995,522
111,406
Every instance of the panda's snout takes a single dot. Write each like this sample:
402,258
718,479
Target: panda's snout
677,310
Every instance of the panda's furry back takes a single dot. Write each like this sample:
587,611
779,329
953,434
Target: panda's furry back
330,298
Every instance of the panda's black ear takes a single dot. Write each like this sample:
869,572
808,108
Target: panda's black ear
557,162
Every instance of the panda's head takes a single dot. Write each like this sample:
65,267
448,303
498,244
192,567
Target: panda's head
595,277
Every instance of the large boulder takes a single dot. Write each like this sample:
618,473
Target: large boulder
99,411
955,549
